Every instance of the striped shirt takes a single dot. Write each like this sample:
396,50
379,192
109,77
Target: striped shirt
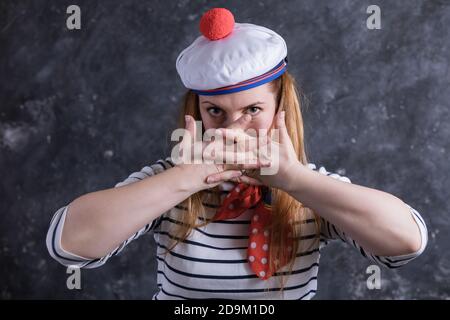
212,261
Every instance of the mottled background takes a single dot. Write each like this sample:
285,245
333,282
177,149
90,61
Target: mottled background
80,110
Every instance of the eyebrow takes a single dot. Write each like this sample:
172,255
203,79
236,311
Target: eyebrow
250,105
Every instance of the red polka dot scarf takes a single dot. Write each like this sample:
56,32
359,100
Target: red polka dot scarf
240,199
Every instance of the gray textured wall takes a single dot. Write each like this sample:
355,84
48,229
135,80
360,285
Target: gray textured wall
80,110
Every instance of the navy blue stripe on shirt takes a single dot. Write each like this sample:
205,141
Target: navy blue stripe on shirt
247,276
222,236
178,255
303,296
237,290
200,244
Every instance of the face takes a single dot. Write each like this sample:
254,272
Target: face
221,110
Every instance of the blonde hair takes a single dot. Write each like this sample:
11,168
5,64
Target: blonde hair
286,209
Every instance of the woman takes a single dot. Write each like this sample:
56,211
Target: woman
223,228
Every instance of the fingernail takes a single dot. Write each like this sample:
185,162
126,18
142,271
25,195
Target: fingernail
210,180
187,118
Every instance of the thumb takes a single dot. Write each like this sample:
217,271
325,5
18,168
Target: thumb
188,138
190,125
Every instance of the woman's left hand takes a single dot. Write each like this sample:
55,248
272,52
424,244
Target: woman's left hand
279,152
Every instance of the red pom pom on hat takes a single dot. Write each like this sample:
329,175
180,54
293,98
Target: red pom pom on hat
217,23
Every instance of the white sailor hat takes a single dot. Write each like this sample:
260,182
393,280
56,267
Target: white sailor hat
231,57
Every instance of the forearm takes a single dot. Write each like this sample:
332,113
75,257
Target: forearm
378,221
98,222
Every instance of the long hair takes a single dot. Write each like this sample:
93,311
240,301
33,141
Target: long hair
286,210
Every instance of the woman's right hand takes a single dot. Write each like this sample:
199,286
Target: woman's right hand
198,172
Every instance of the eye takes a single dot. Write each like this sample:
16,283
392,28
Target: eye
253,110
214,111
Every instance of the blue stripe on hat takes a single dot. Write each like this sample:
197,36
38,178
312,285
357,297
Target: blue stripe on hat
236,87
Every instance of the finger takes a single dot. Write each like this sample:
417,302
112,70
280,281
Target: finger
210,149
280,124
247,166
256,158
265,148
189,140
223,176
241,123
247,180
189,127
243,140
232,157
239,141
259,164
186,143
256,166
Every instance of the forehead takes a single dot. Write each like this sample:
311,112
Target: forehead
263,93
